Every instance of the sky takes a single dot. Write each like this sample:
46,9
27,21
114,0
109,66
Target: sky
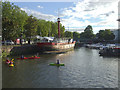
75,15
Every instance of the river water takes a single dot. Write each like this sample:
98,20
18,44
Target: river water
84,68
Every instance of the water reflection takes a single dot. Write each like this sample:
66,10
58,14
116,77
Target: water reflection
84,68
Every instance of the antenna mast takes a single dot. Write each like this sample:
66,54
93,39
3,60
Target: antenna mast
58,25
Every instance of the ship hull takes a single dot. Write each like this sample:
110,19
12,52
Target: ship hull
56,46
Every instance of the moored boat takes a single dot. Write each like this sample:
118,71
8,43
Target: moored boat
56,44
115,51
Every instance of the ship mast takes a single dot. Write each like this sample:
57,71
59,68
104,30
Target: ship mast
58,20
58,27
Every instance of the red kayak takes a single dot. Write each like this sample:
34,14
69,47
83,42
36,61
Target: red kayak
33,57
29,58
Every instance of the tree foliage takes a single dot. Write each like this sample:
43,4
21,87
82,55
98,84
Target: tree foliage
13,20
76,35
16,22
62,31
54,29
105,35
68,34
30,28
88,33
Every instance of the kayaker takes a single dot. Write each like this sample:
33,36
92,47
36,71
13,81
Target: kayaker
35,55
58,61
12,60
11,64
22,57
7,61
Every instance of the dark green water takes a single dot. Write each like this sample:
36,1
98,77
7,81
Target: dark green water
84,68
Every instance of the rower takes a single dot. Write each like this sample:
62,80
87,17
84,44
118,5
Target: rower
12,60
7,60
22,57
58,61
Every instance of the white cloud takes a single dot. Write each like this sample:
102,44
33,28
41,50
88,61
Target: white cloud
101,14
39,6
81,14
39,15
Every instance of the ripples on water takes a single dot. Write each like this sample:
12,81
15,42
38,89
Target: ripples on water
84,68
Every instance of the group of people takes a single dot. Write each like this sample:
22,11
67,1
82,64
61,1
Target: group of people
9,61
22,56
58,61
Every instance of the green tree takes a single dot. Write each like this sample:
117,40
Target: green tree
62,31
105,35
88,33
68,34
76,35
88,28
47,28
31,26
54,30
8,24
16,23
41,28
13,19
100,35
109,35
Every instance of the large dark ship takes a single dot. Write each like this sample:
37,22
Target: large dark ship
113,51
56,44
